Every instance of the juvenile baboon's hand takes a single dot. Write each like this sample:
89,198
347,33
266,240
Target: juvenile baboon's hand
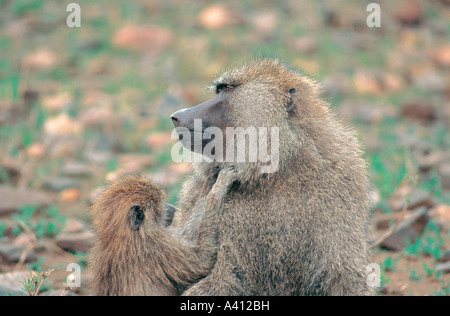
215,197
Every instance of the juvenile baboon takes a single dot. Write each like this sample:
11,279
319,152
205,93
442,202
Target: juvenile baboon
136,253
301,230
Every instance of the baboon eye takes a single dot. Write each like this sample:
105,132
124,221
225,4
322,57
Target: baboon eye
224,87
229,88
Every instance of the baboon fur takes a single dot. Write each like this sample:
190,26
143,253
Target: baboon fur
301,230
142,256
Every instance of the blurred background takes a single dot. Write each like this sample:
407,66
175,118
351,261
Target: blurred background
79,106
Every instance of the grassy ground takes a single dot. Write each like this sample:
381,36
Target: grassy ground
94,95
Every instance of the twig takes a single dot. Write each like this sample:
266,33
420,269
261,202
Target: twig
44,276
403,214
393,228
66,288
29,247
38,244
34,283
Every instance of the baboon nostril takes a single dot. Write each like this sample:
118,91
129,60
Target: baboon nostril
174,119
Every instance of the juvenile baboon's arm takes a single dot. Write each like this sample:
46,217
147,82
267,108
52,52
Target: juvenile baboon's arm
214,201
194,261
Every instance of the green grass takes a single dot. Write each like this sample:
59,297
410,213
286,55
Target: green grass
23,6
9,87
388,170
428,270
2,229
430,243
389,264
414,276
444,291
48,222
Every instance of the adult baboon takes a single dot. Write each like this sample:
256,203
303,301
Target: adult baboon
136,253
301,230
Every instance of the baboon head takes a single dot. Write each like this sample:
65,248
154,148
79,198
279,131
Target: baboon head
259,95
130,206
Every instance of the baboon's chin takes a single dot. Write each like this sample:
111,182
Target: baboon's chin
197,148
200,144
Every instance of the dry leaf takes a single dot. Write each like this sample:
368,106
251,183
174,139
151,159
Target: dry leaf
214,17
393,82
57,102
143,38
367,83
442,55
159,140
36,150
307,65
443,211
41,58
69,195
265,22
409,12
62,125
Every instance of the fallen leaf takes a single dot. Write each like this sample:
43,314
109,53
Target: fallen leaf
62,125
393,82
443,211
159,140
214,17
442,55
56,102
444,174
419,111
307,65
367,83
143,38
305,44
36,150
69,195
181,168
409,12
73,225
41,58
265,22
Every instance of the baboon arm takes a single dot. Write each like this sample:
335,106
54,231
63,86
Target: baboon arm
214,201
184,262
221,281
195,261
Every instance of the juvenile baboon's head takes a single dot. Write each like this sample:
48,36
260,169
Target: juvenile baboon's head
259,95
130,206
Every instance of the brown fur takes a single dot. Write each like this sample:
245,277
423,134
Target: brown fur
303,229
152,260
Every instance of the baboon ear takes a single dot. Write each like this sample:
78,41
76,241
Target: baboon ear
169,213
290,105
136,216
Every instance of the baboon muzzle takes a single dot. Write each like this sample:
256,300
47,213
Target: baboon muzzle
210,112
197,119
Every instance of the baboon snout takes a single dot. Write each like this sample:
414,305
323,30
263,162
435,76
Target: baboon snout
174,119
182,118
210,113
